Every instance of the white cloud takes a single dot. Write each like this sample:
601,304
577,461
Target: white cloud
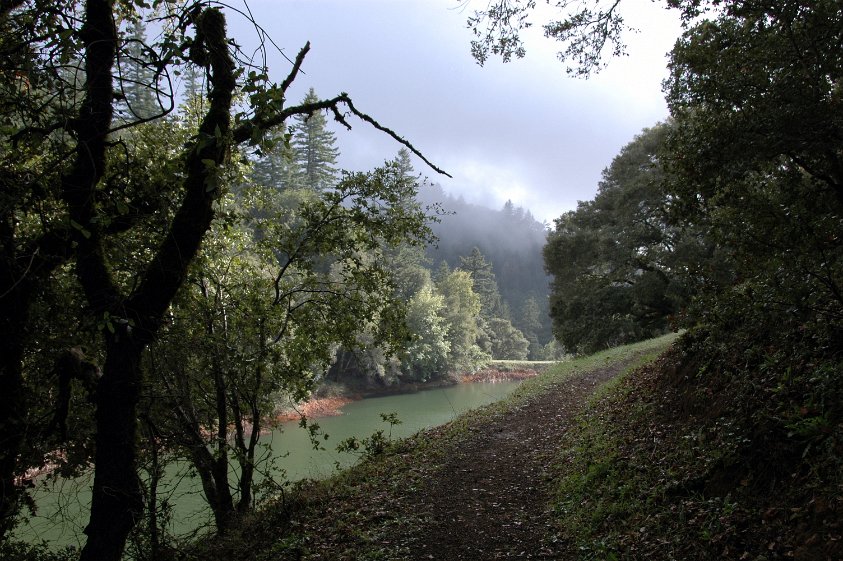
490,184
523,130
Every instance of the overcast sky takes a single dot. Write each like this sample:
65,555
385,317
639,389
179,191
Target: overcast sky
522,131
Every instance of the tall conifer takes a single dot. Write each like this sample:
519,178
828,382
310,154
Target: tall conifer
314,149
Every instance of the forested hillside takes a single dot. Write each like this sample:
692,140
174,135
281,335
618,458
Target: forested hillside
510,240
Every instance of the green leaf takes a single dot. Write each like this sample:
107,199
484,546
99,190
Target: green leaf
81,229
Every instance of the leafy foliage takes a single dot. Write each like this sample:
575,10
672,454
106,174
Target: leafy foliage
107,200
272,295
427,354
754,160
505,341
461,311
585,29
744,416
617,263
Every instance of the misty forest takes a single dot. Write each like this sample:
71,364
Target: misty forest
188,281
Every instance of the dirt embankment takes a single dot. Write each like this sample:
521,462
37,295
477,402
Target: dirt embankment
316,407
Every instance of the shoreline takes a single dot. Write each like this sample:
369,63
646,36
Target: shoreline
318,407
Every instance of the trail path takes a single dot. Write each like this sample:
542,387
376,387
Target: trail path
490,498
481,495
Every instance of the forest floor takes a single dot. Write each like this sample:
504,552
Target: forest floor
478,488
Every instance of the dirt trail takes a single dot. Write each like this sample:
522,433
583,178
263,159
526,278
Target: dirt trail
490,499
483,495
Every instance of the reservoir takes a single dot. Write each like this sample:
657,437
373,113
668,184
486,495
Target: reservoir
62,506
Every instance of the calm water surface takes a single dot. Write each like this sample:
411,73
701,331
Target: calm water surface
289,447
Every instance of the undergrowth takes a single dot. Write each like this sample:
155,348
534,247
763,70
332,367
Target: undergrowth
707,454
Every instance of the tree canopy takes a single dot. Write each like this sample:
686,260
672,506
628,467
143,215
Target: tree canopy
617,261
109,204
755,161
744,201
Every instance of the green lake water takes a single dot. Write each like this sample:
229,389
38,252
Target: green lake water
62,506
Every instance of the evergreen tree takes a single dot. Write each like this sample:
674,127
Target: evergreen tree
405,166
277,166
314,149
508,210
441,273
485,284
137,81
192,80
528,321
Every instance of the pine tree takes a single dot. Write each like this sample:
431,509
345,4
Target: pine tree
529,322
193,81
137,79
485,284
314,149
405,165
277,167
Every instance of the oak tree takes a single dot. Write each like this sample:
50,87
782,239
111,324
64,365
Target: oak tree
74,189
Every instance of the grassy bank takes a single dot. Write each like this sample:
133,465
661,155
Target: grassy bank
700,457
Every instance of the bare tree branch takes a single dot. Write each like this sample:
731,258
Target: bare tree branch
296,67
246,130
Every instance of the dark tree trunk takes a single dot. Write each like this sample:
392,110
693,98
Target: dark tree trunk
224,508
213,472
117,501
245,450
212,468
13,311
156,474
247,462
